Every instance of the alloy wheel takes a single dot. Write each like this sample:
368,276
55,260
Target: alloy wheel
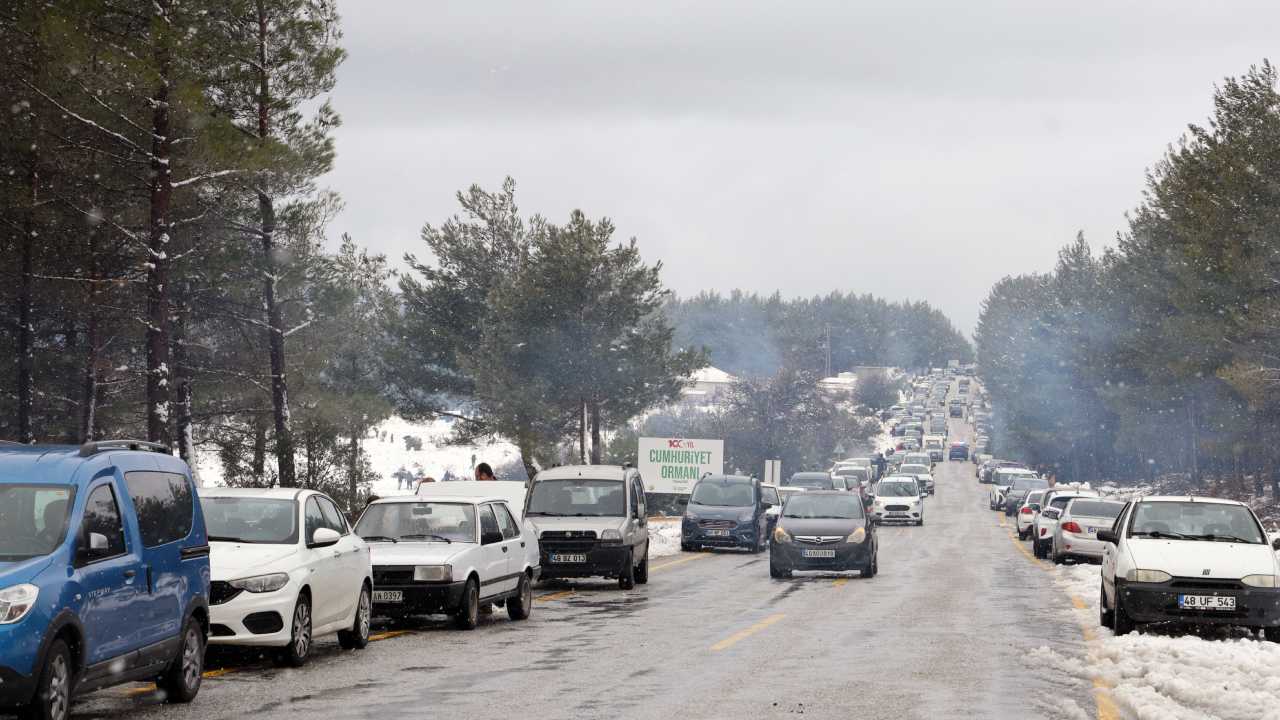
59,688
302,629
192,658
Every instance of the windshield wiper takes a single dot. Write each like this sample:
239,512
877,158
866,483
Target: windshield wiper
427,536
378,538
1165,534
225,538
548,514
1223,538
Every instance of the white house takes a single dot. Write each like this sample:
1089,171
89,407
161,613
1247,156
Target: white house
707,386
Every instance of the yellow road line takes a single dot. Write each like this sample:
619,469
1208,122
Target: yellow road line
148,689
554,596
839,581
741,635
389,634
681,561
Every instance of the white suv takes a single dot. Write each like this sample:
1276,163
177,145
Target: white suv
1187,559
285,569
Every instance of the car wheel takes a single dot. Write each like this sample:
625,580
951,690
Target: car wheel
1057,557
357,638
1121,623
627,579
299,648
519,607
686,547
778,573
1272,634
642,570
181,682
468,615
1105,617
54,689
870,570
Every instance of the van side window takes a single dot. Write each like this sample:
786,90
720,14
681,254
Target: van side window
510,530
102,516
164,503
637,489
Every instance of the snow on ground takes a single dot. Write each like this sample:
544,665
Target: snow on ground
664,538
1170,673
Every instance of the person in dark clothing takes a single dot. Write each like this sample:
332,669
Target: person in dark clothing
484,472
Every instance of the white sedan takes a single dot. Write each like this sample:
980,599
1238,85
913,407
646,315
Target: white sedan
285,568
449,555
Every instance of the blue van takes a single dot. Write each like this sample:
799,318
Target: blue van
104,574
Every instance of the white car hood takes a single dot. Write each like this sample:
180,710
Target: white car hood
231,561
416,553
1198,558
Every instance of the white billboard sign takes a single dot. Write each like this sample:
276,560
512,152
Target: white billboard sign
673,465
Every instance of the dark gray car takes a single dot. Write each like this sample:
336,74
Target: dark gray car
823,530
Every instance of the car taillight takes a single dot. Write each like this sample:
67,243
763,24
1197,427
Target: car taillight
1043,531
1026,511
1072,527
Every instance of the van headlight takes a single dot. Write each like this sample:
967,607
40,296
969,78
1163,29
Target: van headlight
1259,581
261,583
16,602
433,573
746,515
781,536
611,535
1148,576
857,536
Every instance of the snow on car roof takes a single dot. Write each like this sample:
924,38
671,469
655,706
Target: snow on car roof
1188,498
281,493
590,472
462,499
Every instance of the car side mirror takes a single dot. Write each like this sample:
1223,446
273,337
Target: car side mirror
767,505
324,537
1275,544
97,543
490,537
1108,536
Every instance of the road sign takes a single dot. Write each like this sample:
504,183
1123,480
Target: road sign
673,465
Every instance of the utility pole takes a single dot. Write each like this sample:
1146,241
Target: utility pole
829,374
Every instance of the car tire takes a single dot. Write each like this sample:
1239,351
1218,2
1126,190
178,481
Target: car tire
872,568
627,578
181,681
1037,549
1271,634
1106,618
1057,557
642,570
467,616
357,638
55,686
298,651
778,573
686,547
519,607
1121,623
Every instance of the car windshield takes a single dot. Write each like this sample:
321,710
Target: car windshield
911,469
269,521
1024,483
1191,520
1096,509
33,519
813,506
898,488
820,482
419,522
578,497
722,493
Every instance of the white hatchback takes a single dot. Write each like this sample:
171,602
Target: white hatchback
1189,560
285,568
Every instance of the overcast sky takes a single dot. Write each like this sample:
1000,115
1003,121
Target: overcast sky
914,150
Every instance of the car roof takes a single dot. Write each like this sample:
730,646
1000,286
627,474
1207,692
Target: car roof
64,464
277,493
728,478
1188,498
811,474
588,472
456,499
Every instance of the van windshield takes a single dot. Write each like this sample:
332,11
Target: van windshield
33,519
722,493
269,521
577,497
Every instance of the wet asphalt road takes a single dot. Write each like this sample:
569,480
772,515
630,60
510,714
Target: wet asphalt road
942,631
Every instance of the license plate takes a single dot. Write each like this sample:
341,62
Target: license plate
1093,531
1207,602
388,596
819,553
568,558
717,533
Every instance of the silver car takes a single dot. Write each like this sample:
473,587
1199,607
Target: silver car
1076,536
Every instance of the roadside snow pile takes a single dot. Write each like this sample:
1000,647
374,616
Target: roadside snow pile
664,538
1158,675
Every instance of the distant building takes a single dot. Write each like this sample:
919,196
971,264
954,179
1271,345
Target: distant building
841,384
708,386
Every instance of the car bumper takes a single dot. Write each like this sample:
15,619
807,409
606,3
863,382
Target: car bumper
16,689
742,535
20,649
1158,602
420,598
260,619
1081,546
897,516
602,561
848,556
1023,525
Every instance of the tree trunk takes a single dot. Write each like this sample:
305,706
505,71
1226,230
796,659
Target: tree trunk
275,317
89,387
182,367
161,191
526,447
259,448
26,339
596,445
582,432
1193,426
353,472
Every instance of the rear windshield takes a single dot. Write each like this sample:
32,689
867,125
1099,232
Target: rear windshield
1094,508
722,493
1029,482
820,482
270,521
578,497
837,507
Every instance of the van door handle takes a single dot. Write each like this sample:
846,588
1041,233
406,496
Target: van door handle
521,543
505,548
130,574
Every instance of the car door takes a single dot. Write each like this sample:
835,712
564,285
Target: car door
352,558
111,580
164,510
639,517
495,556
517,548
324,567
1111,553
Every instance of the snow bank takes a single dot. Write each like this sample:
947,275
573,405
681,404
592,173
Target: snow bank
664,538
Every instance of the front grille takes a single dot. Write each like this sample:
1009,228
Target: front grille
263,623
1198,584
717,524
819,539
565,545
392,574
220,630
568,535
897,508
220,591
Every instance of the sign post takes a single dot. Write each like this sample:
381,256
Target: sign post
673,465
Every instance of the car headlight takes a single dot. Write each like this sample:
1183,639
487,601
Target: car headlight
857,536
1260,581
1148,576
781,536
611,535
261,583
746,515
690,515
16,602
432,573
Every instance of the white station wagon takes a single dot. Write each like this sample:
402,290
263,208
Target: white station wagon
449,555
